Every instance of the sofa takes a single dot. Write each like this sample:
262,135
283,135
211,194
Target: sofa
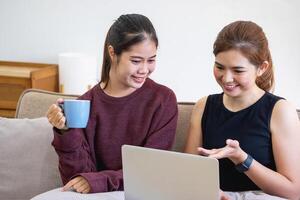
28,162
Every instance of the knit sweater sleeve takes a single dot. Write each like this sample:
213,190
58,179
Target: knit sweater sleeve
163,126
75,159
74,151
74,154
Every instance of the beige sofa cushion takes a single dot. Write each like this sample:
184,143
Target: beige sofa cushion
28,162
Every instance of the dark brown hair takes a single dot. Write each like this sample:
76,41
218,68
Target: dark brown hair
126,31
248,38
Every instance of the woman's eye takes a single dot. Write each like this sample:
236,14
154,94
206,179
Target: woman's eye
151,61
219,67
238,71
135,61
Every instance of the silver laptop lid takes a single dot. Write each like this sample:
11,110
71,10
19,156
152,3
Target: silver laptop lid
151,174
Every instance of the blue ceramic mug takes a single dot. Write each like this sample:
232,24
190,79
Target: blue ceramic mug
76,112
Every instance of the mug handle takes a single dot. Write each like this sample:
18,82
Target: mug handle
61,105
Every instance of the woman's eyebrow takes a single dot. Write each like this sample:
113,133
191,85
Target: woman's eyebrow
219,64
234,67
140,57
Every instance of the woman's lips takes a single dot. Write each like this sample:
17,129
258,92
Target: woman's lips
138,79
229,87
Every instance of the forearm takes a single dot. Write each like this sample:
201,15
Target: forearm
272,182
74,154
72,164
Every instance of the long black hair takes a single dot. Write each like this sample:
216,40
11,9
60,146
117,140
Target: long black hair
126,31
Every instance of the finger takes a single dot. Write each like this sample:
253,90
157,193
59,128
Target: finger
82,188
58,120
207,152
53,110
87,190
50,110
222,153
79,183
67,187
70,184
58,117
223,195
218,155
59,100
232,143
62,123
202,151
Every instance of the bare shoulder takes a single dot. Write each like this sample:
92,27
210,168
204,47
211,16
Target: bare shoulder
194,139
200,105
284,109
198,109
284,116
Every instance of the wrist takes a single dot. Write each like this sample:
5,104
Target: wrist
61,131
240,157
245,165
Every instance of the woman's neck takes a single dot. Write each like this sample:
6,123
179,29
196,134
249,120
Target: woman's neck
239,103
115,90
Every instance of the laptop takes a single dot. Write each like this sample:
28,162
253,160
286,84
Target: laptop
151,174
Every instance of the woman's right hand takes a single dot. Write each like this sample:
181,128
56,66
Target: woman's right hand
55,115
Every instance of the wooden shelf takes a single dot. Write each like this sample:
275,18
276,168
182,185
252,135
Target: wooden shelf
15,77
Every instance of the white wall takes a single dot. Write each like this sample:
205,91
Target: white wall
38,30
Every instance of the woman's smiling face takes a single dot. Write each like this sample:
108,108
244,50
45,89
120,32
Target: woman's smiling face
234,73
132,67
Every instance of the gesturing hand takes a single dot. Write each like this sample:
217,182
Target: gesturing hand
232,151
78,184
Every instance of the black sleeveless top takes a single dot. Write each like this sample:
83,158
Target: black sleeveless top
250,126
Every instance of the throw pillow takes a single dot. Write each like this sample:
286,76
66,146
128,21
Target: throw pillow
28,162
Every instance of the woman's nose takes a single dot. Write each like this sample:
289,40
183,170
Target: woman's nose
144,69
227,77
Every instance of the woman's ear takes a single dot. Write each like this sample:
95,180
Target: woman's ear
262,68
111,52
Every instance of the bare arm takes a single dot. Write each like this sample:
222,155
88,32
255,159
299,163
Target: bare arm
194,139
285,129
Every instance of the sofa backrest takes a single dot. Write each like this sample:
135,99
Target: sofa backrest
184,113
34,103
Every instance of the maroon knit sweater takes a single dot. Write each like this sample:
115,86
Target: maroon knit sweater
147,117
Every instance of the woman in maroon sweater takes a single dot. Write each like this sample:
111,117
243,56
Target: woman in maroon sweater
126,108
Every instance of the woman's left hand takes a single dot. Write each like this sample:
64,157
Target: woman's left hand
78,184
223,196
232,151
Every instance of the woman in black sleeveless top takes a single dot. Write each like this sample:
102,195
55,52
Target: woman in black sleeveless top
254,134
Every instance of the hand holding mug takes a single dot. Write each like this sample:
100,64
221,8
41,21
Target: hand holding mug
69,113
55,115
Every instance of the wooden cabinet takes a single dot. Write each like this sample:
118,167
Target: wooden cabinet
15,77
